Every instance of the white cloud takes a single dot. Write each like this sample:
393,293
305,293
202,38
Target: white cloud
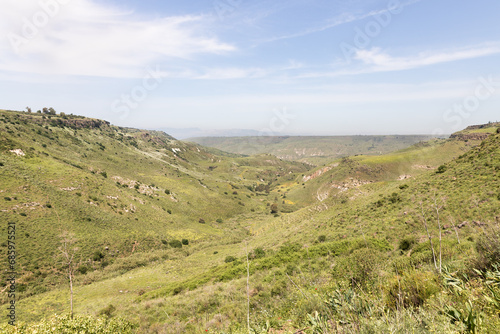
82,37
380,61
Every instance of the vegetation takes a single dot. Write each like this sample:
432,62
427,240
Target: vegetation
363,244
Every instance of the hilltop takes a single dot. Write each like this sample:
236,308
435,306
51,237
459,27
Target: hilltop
169,232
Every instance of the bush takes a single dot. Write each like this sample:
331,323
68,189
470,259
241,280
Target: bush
79,324
83,270
411,289
175,243
167,191
274,208
406,243
229,259
258,253
185,241
169,211
441,169
107,311
98,255
322,238
488,249
104,174
201,221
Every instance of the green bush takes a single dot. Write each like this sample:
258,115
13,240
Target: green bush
98,255
322,238
488,249
107,311
411,289
185,241
441,169
83,269
229,259
406,243
175,243
63,324
167,191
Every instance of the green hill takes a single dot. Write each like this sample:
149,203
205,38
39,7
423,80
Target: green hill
314,149
342,248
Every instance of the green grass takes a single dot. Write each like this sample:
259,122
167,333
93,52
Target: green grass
331,256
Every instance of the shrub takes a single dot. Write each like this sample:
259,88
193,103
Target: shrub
83,270
175,243
169,211
98,255
258,253
411,289
229,259
107,311
274,208
104,174
322,238
441,169
488,249
167,191
220,221
201,221
79,324
407,243
185,241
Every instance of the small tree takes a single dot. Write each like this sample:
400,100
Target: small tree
68,258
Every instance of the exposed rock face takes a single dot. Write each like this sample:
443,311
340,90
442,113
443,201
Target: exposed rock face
18,152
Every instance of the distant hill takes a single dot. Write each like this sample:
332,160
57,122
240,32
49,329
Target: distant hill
183,133
311,149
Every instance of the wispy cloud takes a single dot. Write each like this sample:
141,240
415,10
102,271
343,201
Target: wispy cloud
341,19
380,61
87,38
376,60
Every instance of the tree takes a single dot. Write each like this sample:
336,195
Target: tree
28,109
68,258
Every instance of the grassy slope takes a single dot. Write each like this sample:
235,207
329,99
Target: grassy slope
192,289
85,180
315,150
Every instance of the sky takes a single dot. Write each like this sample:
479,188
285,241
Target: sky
298,67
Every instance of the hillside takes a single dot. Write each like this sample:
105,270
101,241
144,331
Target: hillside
314,150
67,173
343,247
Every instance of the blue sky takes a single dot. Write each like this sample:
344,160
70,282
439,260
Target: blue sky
305,67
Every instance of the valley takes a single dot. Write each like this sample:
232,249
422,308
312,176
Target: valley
171,236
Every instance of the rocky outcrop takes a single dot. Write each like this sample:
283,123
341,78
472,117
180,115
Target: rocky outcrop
470,136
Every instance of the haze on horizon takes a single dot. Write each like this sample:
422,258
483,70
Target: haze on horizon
298,67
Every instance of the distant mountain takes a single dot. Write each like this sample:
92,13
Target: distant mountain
311,149
184,133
